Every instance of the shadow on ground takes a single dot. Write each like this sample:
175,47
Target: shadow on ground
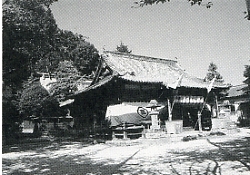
75,158
223,158
227,158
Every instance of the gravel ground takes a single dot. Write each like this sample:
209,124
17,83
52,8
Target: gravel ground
227,154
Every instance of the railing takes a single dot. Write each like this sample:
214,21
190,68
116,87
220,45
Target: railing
126,132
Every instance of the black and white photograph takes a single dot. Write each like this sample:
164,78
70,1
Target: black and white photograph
125,87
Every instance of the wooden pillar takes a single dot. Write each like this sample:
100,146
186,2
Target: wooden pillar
169,111
125,136
217,108
143,133
113,135
94,125
199,121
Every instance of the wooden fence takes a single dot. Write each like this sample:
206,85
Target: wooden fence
126,132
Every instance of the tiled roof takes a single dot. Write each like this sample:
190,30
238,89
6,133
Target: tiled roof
236,91
96,85
152,70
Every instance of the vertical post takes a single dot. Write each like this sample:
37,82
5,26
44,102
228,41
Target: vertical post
143,133
199,121
113,135
94,125
125,136
169,111
217,108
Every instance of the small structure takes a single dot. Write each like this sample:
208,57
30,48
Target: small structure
46,80
28,126
236,105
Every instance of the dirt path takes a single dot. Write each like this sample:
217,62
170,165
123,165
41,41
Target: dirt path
236,150
218,155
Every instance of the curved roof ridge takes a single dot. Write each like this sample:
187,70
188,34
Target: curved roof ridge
239,85
140,57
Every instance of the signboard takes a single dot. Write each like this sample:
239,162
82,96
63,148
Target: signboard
189,99
143,112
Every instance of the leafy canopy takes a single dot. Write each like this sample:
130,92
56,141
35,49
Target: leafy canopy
123,48
142,3
28,30
66,76
35,100
207,4
247,80
213,73
32,43
73,47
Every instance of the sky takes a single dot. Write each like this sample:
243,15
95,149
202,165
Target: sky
195,36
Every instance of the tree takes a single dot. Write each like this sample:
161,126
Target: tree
66,76
248,10
33,43
123,48
73,47
212,98
213,73
247,80
35,100
217,93
208,4
70,46
28,29
39,44
142,3
10,113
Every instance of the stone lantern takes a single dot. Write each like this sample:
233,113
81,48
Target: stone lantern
153,104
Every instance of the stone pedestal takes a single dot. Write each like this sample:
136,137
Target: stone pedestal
155,121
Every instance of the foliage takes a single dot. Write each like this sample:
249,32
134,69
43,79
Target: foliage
74,47
213,73
70,46
244,119
35,100
248,10
142,3
217,93
9,110
123,48
66,76
208,4
33,43
28,29
247,80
